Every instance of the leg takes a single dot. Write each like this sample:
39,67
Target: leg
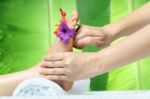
58,46
10,81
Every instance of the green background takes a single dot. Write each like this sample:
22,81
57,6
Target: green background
26,32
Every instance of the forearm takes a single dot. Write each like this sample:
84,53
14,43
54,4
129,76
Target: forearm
135,47
131,23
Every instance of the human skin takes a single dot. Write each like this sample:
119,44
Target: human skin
77,66
59,46
103,36
10,81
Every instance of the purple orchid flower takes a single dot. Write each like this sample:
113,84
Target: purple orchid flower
65,32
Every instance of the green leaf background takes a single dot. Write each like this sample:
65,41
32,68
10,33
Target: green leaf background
23,33
26,32
133,76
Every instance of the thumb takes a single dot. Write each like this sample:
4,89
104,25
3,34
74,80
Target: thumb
77,45
89,41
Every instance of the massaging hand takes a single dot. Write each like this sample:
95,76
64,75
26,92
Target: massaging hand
71,66
88,35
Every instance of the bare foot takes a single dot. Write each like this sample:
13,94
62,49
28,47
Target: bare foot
59,46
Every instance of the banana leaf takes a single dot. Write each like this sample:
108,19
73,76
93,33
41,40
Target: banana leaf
95,13
133,76
23,33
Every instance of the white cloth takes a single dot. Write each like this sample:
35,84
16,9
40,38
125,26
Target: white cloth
38,87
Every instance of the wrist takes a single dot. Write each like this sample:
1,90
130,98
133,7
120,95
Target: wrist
99,67
107,59
114,30
111,32
103,64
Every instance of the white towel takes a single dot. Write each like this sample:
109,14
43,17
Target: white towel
38,87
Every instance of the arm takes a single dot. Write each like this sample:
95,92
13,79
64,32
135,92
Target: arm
86,65
102,37
135,47
131,23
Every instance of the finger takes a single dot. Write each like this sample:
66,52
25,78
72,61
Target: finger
75,15
52,71
76,45
84,33
54,57
89,41
74,19
56,64
57,77
73,24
